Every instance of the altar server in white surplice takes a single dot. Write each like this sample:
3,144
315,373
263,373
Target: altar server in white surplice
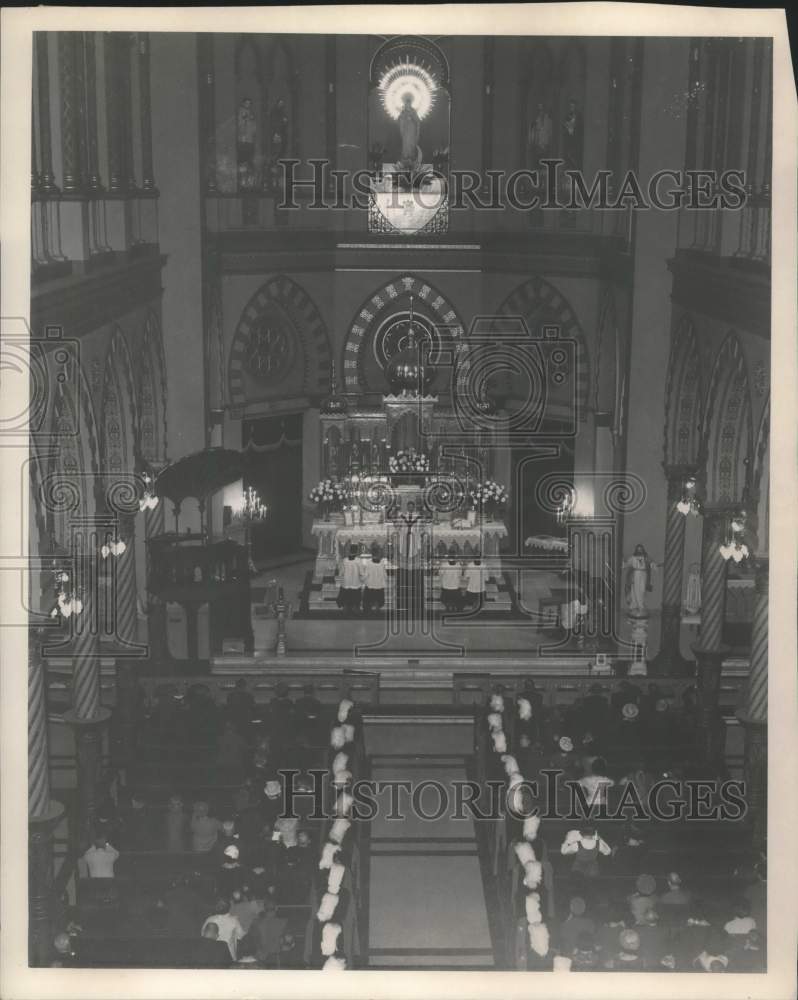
376,574
451,574
352,575
476,575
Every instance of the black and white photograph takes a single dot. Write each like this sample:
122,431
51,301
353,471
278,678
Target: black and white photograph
395,535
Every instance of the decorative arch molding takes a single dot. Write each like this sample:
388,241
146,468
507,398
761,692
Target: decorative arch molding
151,395
119,414
537,296
762,448
307,324
728,433
761,478
374,311
683,398
71,485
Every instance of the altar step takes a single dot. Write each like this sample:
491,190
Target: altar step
323,596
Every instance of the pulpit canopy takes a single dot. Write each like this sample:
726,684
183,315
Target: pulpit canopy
200,474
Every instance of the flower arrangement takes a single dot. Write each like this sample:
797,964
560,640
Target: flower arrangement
68,602
488,495
408,461
328,491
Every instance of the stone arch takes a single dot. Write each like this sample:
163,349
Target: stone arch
537,299
151,395
683,398
760,486
536,85
374,311
728,435
307,325
70,488
119,414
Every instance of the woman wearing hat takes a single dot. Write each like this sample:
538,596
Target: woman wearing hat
627,958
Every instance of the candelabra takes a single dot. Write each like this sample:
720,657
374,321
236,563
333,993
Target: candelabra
251,511
734,547
689,503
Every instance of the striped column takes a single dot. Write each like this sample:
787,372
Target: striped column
126,612
669,660
713,578
38,763
154,525
754,712
86,716
86,626
44,814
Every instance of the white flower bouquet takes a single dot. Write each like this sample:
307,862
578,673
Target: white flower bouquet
408,462
488,495
330,492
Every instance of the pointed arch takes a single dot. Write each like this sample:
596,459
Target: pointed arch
683,398
536,85
300,310
728,435
537,301
70,487
377,307
119,414
151,395
760,486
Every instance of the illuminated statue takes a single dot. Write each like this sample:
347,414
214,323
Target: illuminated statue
410,131
639,568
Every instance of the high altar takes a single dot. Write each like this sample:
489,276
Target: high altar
417,516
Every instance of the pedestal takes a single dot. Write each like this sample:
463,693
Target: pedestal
669,661
88,746
41,904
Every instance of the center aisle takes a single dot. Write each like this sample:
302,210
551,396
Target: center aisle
426,902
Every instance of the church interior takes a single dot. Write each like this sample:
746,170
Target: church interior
348,456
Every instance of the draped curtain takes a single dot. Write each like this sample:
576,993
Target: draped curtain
272,449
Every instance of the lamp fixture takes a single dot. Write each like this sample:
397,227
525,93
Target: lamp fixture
689,503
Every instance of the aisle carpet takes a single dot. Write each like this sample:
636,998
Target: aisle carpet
426,902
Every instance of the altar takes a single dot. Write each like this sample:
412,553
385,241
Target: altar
432,544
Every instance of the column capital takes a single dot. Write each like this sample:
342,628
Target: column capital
86,725
43,823
711,656
679,471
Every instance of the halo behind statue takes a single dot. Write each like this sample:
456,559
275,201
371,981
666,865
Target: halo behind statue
407,78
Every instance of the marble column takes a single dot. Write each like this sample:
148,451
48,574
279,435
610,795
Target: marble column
86,716
713,577
669,660
754,712
44,814
70,75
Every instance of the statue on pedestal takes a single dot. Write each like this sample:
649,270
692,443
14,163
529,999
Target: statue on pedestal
410,131
637,581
